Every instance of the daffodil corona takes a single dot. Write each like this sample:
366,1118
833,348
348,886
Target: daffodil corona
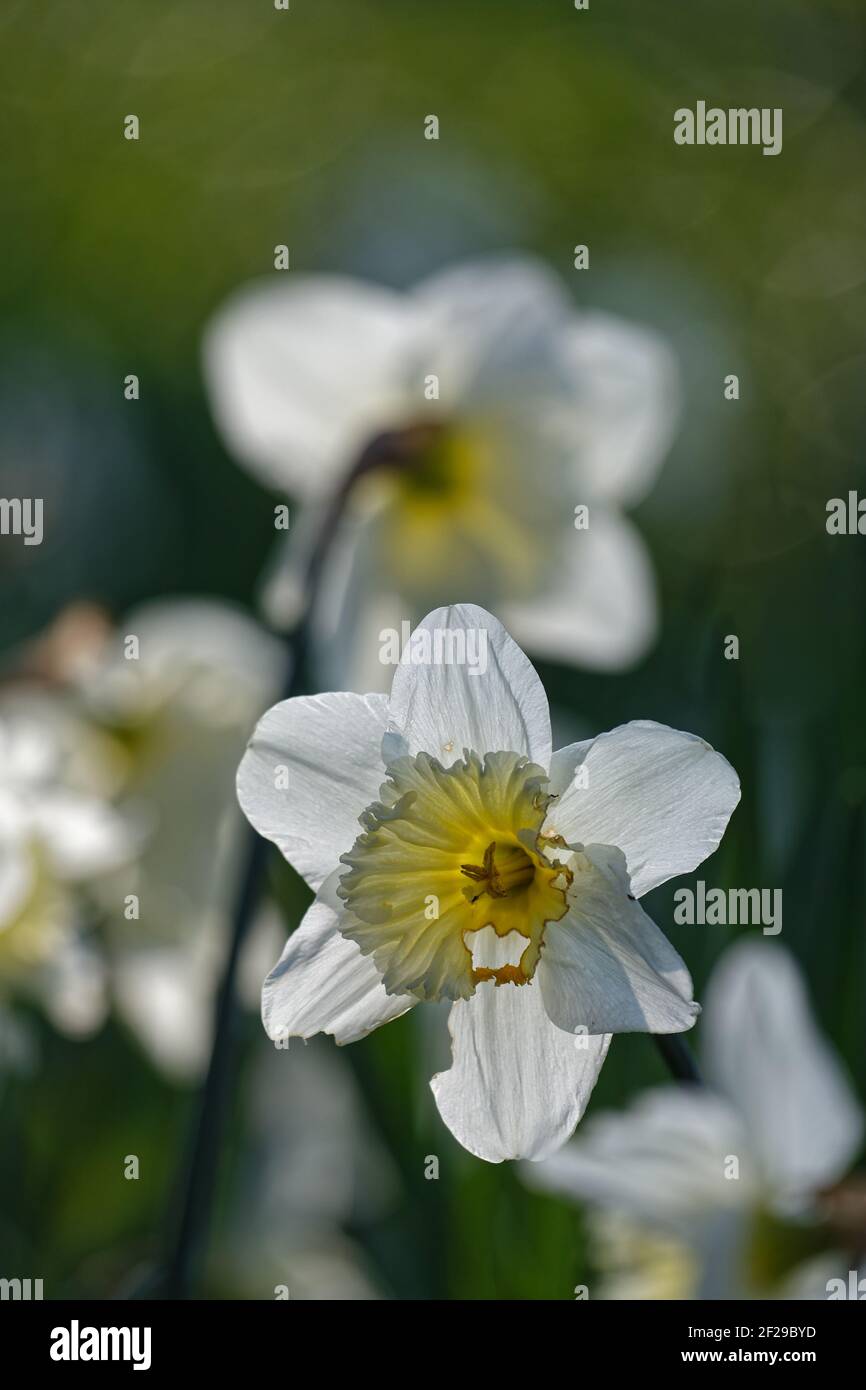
488,871
464,841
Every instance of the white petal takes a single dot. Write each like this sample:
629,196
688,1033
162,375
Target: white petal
517,1085
495,329
606,967
283,581
166,998
355,607
73,987
350,659
83,836
564,765
491,701
322,983
763,1049
662,796
627,392
303,375
662,1160
203,654
599,608
330,748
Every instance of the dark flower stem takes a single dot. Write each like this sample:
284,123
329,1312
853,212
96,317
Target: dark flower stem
678,1057
188,1246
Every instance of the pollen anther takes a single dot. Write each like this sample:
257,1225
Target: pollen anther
504,871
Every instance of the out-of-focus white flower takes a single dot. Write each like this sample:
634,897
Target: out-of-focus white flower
487,872
311,1168
181,710
502,411
59,837
722,1184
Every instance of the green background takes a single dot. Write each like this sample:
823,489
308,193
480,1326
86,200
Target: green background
260,127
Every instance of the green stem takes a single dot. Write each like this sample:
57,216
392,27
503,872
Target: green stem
678,1057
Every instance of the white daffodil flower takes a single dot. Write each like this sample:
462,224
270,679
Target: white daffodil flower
180,709
59,838
488,871
713,1193
500,410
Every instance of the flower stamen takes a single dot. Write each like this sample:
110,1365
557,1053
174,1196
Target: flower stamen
500,874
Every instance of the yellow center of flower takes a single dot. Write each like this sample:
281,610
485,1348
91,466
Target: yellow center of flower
453,512
446,852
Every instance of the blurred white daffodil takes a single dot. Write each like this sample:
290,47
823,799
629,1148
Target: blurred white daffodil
699,1193
495,412
312,1168
180,707
489,871
60,837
